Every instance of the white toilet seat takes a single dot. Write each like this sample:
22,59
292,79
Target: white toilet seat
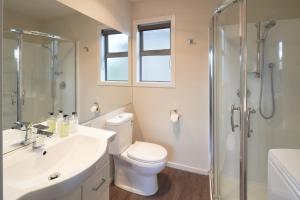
161,161
141,164
147,152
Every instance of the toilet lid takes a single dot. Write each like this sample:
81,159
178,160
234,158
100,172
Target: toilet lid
147,152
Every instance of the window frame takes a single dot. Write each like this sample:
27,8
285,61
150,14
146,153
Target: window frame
154,24
104,53
156,52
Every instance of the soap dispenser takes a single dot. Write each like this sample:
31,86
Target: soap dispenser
51,122
59,120
74,122
65,126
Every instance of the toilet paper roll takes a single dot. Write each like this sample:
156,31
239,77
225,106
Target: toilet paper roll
94,108
174,116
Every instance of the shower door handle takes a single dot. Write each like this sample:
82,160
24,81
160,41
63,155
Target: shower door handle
233,125
249,112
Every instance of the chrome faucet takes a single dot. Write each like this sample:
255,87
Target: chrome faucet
39,139
24,126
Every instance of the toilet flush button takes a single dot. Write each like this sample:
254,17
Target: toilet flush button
119,119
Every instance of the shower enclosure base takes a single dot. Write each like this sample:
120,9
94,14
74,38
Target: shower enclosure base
256,190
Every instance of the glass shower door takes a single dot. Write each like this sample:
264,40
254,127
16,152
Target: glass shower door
226,112
64,76
273,81
49,77
10,76
37,78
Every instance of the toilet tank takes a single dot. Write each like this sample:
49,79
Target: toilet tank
122,125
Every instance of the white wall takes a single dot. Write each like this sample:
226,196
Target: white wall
188,146
113,13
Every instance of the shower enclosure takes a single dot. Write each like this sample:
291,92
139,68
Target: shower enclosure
39,73
254,92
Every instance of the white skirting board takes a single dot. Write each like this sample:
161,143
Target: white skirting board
187,168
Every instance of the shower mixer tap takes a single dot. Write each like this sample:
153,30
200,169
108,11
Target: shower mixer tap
238,93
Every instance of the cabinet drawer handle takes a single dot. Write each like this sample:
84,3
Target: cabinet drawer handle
101,183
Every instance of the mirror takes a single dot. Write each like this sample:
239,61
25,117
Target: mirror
53,58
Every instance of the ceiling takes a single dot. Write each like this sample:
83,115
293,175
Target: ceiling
42,10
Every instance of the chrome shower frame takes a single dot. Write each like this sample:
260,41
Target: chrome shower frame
20,91
213,178
19,78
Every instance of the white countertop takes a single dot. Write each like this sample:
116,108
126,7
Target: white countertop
26,171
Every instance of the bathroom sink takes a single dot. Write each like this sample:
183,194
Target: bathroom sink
57,169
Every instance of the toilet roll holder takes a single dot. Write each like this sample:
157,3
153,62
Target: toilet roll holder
175,111
95,107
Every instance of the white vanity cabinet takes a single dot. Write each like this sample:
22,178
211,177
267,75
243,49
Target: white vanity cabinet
75,195
96,187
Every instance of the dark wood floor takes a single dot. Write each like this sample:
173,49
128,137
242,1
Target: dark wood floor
173,185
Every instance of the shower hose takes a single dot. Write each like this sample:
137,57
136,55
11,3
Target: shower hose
271,66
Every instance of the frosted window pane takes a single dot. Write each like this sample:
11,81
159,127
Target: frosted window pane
117,43
156,69
157,39
117,69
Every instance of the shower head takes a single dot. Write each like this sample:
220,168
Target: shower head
270,24
267,27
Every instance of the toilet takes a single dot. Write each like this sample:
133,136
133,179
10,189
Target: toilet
136,165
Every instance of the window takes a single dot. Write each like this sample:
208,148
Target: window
154,56
115,56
